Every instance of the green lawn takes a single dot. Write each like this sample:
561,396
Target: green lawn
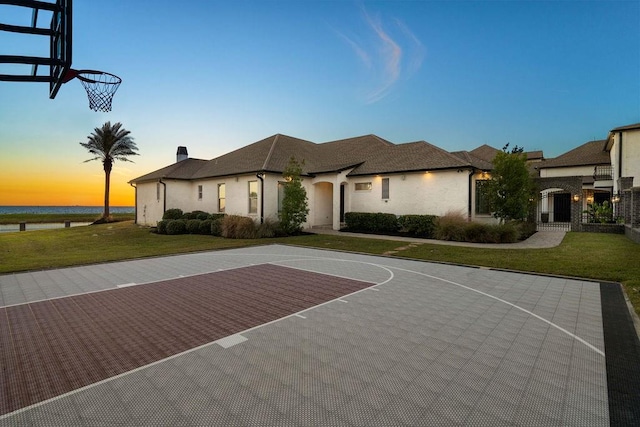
606,257
58,218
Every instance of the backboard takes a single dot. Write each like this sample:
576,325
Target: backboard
52,42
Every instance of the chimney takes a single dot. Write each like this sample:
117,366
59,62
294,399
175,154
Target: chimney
182,154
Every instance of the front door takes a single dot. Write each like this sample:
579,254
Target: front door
562,207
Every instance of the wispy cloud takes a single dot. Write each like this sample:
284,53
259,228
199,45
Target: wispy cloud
391,52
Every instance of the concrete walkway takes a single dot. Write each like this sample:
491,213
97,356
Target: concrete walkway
540,240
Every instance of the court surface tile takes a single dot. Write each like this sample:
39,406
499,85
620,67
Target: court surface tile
281,335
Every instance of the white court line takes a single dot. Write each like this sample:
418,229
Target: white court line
388,267
560,328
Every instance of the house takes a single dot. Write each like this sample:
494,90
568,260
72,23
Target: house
595,172
370,174
583,174
361,174
623,146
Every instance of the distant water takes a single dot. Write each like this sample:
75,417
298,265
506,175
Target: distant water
63,209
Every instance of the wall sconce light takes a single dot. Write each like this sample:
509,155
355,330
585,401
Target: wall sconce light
576,197
589,199
615,198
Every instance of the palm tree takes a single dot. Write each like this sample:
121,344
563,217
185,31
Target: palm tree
108,144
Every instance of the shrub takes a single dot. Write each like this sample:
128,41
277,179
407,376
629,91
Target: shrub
172,214
215,216
205,226
418,225
162,227
216,226
269,228
193,226
238,227
371,222
451,226
176,226
507,233
202,215
525,229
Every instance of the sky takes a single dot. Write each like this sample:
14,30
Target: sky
215,76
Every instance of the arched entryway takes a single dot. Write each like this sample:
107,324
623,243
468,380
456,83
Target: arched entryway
559,203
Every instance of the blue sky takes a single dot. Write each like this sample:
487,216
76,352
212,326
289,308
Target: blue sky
216,76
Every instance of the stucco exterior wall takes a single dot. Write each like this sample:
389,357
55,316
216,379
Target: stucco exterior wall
432,193
149,205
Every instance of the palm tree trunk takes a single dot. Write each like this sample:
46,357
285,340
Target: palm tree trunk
107,182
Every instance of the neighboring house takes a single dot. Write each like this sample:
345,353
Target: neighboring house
583,174
361,174
595,172
623,146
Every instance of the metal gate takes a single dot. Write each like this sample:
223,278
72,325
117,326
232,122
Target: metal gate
554,211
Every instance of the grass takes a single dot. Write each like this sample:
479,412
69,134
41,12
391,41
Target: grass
58,218
605,257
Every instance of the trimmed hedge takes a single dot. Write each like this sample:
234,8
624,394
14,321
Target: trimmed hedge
193,226
162,226
216,227
205,226
452,226
173,214
371,222
176,226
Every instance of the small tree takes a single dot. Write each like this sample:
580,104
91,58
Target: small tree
511,187
294,203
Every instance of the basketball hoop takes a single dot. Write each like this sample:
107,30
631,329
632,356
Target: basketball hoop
100,87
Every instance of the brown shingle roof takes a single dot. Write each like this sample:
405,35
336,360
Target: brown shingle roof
367,154
180,170
485,152
590,153
474,161
408,157
627,127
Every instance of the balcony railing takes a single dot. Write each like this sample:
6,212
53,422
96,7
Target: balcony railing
603,173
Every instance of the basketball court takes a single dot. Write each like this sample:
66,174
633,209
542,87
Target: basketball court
280,335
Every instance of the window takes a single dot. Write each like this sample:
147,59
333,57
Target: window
158,191
253,197
482,201
363,186
221,198
385,188
199,192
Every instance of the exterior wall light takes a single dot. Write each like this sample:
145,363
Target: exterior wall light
576,197
615,198
589,199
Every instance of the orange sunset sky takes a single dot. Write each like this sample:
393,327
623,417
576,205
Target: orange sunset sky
45,179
